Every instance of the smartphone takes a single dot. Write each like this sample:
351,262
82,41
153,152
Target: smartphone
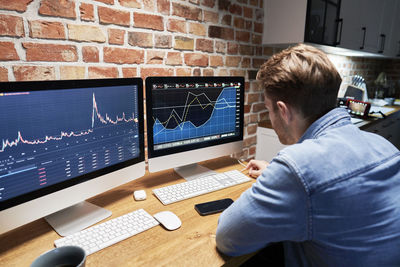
212,207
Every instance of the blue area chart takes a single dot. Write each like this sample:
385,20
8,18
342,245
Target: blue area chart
51,136
222,118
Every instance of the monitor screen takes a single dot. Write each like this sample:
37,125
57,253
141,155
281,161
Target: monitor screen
58,135
191,114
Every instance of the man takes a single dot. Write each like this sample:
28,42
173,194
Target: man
333,196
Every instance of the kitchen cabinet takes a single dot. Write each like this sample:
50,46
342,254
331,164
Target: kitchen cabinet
366,25
363,25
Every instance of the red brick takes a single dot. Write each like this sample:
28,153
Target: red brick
147,72
86,12
236,72
268,51
155,57
72,72
116,36
102,72
147,21
123,55
17,5
50,52
33,73
246,50
58,8
163,41
197,29
187,12
129,72
175,25
256,39
253,2
216,61
232,61
223,72
248,25
194,59
252,151
238,22
142,39
46,29
220,32
90,54
149,5
8,52
235,9
226,20
197,72
251,129
184,72
208,72
258,27
242,36
86,33
245,62
205,45
253,97
250,141
183,43
109,2
233,48
113,16
257,62
248,12
163,6
210,16
220,47
263,116
11,26
256,107
174,58
130,3
3,74
208,3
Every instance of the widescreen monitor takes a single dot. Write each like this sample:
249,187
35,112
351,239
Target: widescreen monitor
192,119
63,142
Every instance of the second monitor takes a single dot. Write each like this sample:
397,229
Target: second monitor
192,119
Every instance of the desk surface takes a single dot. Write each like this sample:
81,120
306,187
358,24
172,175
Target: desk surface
192,244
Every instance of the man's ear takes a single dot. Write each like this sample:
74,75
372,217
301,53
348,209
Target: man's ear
285,111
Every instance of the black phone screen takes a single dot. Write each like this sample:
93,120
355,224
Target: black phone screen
213,206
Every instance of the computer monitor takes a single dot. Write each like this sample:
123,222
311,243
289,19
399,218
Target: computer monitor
63,142
192,119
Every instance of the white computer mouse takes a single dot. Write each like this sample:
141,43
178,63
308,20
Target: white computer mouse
168,219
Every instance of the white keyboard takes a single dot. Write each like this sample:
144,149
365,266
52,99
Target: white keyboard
110,232
177,192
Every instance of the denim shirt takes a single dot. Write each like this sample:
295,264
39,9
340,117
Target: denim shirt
333,199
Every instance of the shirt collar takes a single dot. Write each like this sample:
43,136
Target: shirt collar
334,117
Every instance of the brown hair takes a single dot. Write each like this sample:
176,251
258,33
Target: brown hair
303,77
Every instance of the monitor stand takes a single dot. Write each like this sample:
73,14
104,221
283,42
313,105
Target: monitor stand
76,218
193,171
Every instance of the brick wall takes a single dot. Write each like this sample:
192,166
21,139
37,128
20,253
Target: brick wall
65,39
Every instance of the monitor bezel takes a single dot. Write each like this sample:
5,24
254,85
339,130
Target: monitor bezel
149,114
21,86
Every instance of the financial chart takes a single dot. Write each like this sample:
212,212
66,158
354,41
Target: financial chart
193,113
48,137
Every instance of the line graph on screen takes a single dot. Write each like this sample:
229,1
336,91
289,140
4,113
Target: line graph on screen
199,115
95,116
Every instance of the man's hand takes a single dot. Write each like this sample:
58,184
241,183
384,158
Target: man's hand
256,167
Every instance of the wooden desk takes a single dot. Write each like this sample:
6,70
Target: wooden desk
193,244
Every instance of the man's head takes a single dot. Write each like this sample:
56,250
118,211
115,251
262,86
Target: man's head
303,78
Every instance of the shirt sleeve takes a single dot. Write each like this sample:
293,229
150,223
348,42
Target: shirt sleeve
274,209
